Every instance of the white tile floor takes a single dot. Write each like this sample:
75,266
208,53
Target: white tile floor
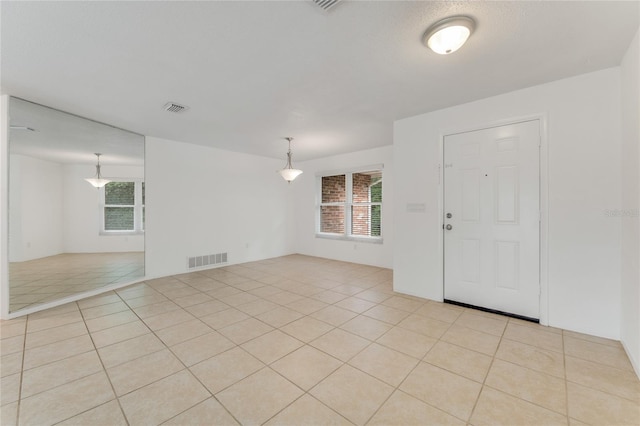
38,281
298,341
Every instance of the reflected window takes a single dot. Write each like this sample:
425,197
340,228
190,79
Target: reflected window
123,207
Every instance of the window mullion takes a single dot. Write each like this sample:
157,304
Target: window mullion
137,208
101,207
348,203
318,204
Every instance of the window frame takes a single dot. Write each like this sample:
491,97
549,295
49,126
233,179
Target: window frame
138,209
348,205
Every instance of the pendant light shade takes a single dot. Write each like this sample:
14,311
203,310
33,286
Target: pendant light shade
98,181
289,173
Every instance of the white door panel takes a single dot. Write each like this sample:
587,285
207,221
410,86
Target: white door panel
492,191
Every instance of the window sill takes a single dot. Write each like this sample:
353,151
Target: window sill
360,239
120,233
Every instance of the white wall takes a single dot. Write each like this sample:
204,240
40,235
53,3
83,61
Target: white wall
35,206
305,210
204,201
584,176
54,210
4,201
81,212
630,96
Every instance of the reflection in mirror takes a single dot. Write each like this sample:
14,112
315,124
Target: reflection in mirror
67,237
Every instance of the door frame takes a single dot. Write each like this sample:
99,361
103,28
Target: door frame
544,197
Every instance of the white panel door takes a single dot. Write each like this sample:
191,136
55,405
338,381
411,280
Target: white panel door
492,218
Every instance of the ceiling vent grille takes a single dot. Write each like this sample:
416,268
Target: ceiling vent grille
174,107
326,4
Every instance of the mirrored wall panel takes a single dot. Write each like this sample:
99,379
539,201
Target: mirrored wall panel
69,232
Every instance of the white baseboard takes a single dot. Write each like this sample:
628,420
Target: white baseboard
634,362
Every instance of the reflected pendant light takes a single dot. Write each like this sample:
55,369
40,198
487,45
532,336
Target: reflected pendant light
289,173
98,181
449,34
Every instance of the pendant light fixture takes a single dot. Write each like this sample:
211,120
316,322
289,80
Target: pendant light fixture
289,173
98,181
449,34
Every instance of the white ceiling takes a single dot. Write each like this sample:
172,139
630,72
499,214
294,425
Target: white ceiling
49,134
255,72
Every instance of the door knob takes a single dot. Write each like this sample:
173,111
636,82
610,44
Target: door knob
449,215
449,227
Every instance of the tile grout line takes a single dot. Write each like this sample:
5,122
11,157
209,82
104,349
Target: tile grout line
186,368
566,382
484,381
526,400
293,277
304,344
101,271
343,363
397,388
366,373
265,365
104,369
493,357
530,369
24,353
305,393
63,384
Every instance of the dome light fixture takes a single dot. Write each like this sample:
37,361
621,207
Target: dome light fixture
289,173
98,181
449,34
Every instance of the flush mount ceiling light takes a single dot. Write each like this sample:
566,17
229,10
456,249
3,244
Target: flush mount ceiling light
449,34
289,173
98,181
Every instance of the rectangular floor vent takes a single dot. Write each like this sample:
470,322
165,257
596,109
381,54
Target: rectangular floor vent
203,261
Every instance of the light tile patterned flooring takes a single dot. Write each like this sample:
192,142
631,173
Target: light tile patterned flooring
38,281
299,340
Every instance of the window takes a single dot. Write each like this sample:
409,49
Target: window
122,207
350,205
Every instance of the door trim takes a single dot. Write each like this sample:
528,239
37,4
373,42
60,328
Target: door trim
544,198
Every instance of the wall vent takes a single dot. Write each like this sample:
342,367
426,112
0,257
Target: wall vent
326,4
174,107
206,260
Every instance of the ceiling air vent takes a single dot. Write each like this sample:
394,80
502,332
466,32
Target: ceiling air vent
174,107
326,4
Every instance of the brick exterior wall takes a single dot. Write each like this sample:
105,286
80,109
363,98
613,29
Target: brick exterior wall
332,218
333,191
360,217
